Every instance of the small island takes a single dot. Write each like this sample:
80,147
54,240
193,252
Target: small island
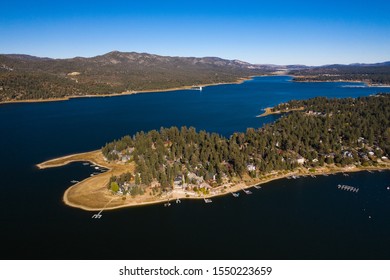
318,136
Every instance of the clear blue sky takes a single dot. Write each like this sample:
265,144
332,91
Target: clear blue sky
279,32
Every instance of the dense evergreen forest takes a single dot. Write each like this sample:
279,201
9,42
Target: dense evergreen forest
370,74
327,132
26,77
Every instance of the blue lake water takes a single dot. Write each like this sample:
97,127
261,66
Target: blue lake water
308,218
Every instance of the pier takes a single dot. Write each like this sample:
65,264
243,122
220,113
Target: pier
347,188
246,191
99,214
168,203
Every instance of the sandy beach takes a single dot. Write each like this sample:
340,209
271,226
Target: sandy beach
92,194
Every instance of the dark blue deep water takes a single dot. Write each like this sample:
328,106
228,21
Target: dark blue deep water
307,218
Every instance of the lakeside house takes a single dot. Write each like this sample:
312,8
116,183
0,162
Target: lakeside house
300,160
251,167
178,182
125,158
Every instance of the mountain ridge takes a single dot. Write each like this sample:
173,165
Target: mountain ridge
24,77
27,77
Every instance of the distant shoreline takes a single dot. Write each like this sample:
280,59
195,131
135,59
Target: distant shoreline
91,194
308,80
238,81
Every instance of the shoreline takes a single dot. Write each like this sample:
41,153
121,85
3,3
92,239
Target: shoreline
367,84
238,81
268,111
82,194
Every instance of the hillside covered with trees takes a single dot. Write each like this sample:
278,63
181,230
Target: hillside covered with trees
328,132
25,77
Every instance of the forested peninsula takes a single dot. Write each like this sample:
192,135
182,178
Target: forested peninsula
323,136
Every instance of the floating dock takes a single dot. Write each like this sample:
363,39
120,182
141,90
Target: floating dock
247,191
347,188
235,194
98,215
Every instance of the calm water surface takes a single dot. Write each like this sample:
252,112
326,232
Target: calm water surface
307,218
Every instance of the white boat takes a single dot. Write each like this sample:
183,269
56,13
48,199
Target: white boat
207,200
197,88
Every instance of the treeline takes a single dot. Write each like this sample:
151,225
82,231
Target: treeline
328,131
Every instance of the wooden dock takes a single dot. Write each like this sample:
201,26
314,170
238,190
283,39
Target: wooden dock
99,214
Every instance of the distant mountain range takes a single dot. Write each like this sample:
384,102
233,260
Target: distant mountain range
24,77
